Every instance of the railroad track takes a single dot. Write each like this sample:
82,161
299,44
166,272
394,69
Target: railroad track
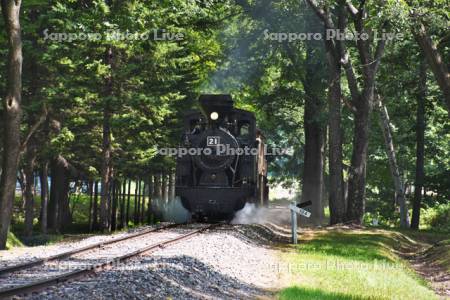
32,276
36,262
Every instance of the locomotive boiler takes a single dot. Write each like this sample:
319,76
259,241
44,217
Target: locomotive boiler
224,165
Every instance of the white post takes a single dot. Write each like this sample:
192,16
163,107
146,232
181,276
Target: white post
294,225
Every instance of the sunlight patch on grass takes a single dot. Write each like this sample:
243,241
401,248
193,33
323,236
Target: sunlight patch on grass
359,264
12,241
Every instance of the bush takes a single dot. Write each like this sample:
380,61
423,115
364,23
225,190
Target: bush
12,241
389,221
437,217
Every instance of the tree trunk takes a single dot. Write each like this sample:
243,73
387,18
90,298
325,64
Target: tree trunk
164,187
64,215
136,190
143,202
95,208
171,186
435,61
362,103
313,157
21,180
52,208
357,176
158,191
12,114
314,132
91,203
385,125
420,148
30,159
58,208
150,199
44,197
325,195
139,200
122,203
151,186
36,182
106,169
114,205
110,200
336,186
127,217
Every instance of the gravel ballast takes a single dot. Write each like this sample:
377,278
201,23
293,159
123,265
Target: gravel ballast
229,262
26,254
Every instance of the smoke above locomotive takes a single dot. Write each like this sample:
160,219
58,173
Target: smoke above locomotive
214,184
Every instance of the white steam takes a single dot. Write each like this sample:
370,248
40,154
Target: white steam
251,214
171,210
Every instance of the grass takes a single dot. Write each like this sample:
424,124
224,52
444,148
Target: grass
353,264
443,250
439,255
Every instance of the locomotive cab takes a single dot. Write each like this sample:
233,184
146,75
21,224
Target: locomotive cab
218,178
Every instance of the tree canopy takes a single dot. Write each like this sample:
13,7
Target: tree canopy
104,84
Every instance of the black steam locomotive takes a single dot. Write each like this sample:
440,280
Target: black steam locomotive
225,165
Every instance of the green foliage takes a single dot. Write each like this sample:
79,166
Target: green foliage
437,218
269,77
13,241
397,83
153,81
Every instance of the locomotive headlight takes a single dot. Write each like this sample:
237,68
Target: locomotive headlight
214,116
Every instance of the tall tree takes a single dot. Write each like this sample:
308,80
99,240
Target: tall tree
362,101
334,50
106,147
420,146
314,128
12,114
400,199
362,95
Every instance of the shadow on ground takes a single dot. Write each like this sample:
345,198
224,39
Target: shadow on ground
179,277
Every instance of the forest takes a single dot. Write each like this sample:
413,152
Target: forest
92,89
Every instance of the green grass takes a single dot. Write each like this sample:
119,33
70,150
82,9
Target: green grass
13,241
354,264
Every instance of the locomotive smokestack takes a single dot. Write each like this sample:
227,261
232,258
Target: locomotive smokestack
215,106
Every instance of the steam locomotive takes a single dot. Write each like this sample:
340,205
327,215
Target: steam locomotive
224,166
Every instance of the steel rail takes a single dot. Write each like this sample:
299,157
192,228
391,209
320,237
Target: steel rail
37,262
41,284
